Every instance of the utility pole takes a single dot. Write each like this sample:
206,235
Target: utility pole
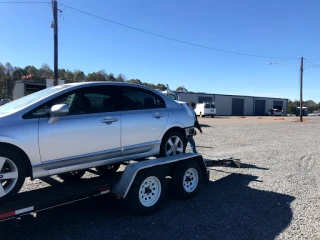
301,76
55,23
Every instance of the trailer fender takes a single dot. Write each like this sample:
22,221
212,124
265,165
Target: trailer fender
121,189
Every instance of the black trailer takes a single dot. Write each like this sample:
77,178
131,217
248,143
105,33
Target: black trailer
141,186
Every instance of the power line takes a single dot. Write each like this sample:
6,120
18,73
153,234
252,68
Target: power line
169,38
24,2
313,64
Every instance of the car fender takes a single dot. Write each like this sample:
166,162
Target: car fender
27,149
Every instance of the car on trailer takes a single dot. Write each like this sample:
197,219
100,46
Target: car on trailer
66,129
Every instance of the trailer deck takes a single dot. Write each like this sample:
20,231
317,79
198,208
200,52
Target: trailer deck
56,195
141,185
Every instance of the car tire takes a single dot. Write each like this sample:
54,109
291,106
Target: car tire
212,116
139,201
72,176
186,180
107,169
170,139
13,164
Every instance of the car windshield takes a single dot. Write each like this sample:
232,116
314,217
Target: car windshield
20,103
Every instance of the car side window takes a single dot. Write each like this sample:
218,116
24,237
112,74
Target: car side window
140,99
82,101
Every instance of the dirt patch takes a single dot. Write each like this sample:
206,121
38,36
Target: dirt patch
298,120
279,119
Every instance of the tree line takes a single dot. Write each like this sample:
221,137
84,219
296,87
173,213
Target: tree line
311,105
9,75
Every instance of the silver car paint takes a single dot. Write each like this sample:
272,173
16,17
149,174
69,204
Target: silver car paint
62,147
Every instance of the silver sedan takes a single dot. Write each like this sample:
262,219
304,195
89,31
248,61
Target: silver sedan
66,129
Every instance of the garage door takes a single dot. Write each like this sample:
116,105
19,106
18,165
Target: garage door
237,106
204,99
259,107
277,104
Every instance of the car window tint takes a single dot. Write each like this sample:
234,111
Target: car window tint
213,106
207,106
139,99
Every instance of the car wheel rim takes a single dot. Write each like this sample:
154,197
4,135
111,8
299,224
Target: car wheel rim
174,146
8,175
150,191
190,180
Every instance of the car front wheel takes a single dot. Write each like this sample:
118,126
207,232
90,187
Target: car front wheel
13,172
173,143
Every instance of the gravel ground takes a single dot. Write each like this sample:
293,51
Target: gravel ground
274,195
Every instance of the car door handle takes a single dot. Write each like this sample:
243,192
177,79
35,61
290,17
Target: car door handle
109,120
157,115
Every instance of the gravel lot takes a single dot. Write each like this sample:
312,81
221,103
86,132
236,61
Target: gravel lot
274,195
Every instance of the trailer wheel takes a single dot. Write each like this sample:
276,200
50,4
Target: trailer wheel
13,171
186,180
146,193
108,169
72,176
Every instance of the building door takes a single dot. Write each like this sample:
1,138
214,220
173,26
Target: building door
277,104
259,107
237,107
205,99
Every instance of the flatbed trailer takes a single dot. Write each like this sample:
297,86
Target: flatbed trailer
141,186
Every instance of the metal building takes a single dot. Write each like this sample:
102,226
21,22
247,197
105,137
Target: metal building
23,88
234,105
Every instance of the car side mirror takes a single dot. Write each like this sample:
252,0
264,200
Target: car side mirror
56,111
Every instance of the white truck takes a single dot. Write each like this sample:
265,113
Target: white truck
206,109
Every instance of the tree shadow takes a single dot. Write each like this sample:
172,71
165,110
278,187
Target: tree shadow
224,209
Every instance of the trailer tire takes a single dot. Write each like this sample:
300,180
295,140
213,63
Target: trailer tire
107,169
186,180
147,192
11,162
72,176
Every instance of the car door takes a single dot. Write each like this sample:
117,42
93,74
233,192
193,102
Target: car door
89,132
143,118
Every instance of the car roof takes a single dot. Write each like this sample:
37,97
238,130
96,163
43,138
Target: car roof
101,83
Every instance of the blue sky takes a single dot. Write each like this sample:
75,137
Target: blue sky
286,28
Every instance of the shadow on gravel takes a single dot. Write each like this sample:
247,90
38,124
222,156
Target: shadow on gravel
203,147
216,163
205,125
245,165
224,209
51,181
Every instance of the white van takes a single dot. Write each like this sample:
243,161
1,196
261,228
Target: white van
206,109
